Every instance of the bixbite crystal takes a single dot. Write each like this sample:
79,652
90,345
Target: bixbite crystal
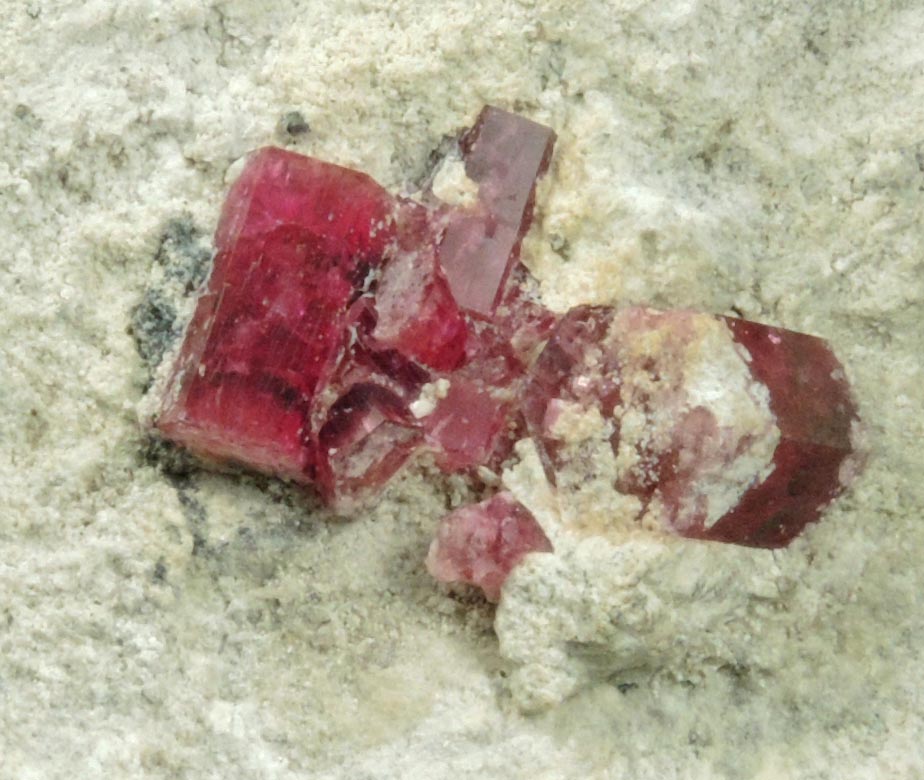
296,238
480,544
504,154
717,428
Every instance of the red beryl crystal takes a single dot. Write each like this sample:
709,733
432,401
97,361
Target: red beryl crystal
504,155
480,544
296,239
723,429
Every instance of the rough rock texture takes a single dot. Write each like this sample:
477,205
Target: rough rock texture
758,157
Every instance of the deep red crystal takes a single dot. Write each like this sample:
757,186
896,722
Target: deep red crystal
296,238
589,361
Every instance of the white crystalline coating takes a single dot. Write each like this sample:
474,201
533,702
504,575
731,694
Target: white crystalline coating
692,424
703,373
607,603
430,394
574,423
452,185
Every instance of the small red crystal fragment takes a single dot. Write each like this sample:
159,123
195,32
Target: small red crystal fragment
367,437
724,429
476,423
504,154
465,426
480,544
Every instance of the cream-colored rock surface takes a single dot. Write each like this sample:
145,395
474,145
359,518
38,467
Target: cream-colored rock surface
763,158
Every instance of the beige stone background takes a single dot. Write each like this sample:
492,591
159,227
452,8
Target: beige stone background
760,158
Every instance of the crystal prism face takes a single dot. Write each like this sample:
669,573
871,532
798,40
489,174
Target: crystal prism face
718,428
416,312
482,543
504,154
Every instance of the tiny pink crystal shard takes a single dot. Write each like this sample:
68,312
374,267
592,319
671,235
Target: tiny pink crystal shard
416,313
721,429
480,544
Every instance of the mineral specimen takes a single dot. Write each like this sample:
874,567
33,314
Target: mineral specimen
344,330
480,544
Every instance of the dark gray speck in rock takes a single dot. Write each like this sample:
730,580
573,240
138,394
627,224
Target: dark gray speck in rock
175,463
293,124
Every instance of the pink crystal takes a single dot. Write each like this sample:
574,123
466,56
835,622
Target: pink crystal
296,238
271,374
482,543
504,154
367,436
641,363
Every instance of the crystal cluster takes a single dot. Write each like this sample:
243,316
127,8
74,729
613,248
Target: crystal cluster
344,330
333,307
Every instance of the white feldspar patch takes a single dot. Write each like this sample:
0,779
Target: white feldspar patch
452,185
676,377
595,609
575,423
430,394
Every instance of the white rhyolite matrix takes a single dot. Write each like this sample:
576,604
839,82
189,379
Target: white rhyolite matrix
763,159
